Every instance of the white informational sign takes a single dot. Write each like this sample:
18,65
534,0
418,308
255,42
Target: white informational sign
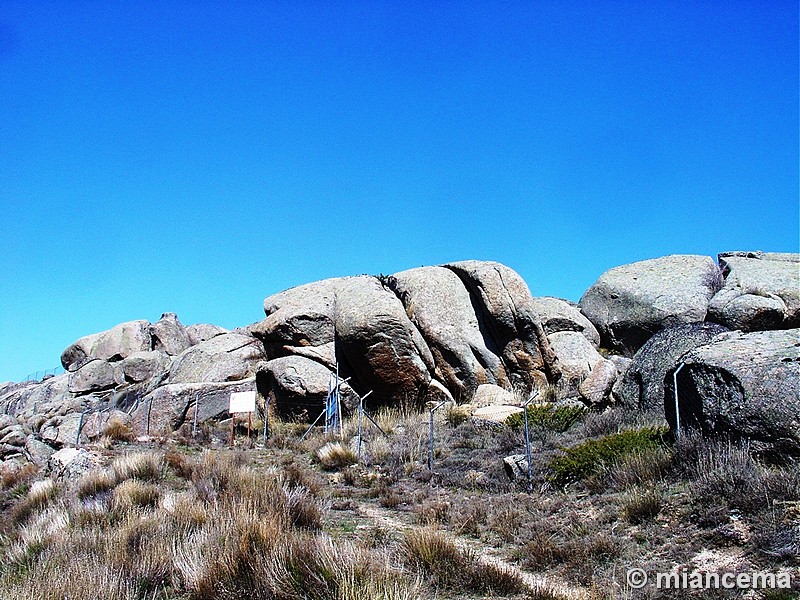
242,402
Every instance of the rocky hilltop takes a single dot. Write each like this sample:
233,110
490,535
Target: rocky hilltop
725,330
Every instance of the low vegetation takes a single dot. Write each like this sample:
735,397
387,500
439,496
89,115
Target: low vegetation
314,519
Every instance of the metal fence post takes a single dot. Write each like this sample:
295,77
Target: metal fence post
430,434
677,407
528,438
266,420
194,420
360,424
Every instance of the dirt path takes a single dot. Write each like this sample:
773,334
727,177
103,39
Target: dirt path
385,518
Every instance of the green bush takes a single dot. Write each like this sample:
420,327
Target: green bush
548,417
583,460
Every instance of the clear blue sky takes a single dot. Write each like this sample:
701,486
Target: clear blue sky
197,157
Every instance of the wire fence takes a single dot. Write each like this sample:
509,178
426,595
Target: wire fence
40,375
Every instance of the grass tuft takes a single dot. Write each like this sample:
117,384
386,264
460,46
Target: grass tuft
335,455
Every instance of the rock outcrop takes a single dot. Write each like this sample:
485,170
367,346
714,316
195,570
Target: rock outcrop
643,385
440,307
559,315
577,358
454,332
298,385
226,357
419,335
628,304
761,291
148,372
743,385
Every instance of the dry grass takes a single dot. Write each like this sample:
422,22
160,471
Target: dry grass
335,455
232,532
118,430
132,493
640,505
202,526
454,569
94,483
138,465
39,495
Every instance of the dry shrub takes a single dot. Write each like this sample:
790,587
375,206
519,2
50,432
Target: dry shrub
506,518
261,539
180,464
433,512
94,483
449,567
641,505
640,468
132,493
213,473
39,495
295,475
378,450
388,498
470,517
186,511
727,472
335,455
580,553
304,511
139,465
118,430
12,476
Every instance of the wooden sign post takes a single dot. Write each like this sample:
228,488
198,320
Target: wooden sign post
241,402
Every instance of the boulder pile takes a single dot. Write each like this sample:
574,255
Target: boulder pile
725,330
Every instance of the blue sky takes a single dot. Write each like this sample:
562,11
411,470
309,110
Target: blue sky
197,157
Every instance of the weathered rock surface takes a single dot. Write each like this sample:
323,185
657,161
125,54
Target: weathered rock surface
37,401
743,385
71,463
495,414
596,388
12,437
61,430
440,307
200,332
508,318
492,395
559,315
379,344
516,466
170,406
112,345
296,383
643,385
226,357
95,424
628,304
576,358
302,317
761,291
37,451
95,375
145,366
168,335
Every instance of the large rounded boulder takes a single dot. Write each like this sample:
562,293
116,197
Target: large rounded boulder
630,303
761,291
643,385
505,310
441,308
742,386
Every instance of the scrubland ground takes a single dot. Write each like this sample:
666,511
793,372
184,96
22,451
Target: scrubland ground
187,518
